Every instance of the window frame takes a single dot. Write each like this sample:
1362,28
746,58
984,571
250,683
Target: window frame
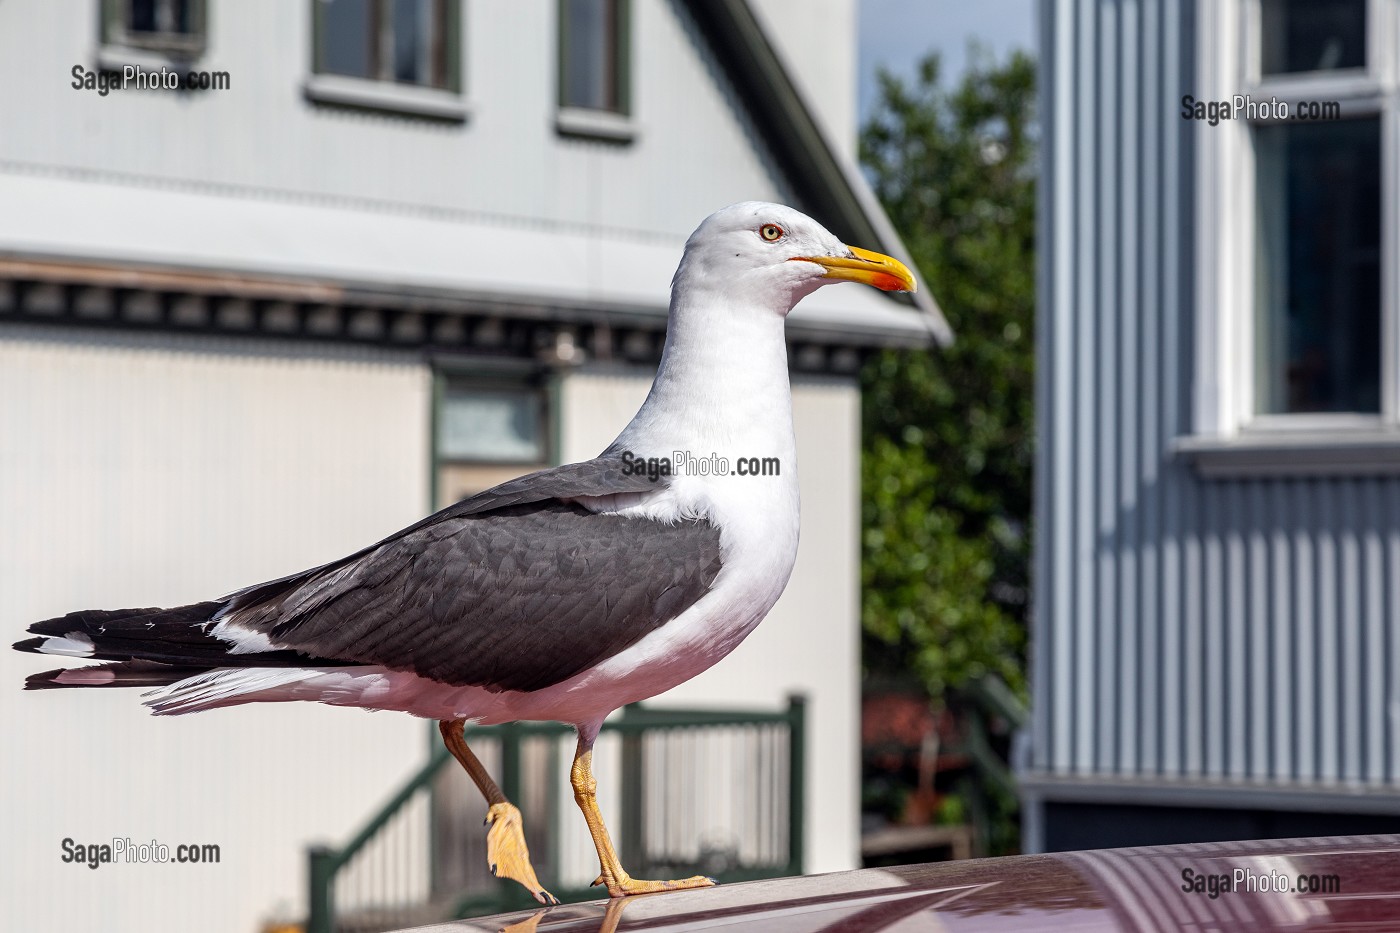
489,376
1229,49
573,120
177,45
446,103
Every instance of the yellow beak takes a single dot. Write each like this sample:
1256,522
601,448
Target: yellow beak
884,272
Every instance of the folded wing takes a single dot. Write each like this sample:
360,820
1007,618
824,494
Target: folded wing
517,588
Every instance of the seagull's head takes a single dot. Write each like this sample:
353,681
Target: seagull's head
775,256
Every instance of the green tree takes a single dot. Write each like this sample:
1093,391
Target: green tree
948,433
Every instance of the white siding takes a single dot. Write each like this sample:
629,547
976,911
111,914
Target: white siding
155,471
810,642
815,43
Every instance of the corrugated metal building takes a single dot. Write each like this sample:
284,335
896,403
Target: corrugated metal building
394,252
1217,620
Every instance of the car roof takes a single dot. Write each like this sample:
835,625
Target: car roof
1352,882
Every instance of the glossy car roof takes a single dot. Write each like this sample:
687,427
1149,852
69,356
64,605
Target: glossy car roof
1353,883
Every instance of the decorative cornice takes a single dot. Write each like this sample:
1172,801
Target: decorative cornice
441,324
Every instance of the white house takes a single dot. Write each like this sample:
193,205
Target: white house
378,255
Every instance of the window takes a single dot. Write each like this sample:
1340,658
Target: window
593,55
491,425
173,26
595,85
1297,223
1318,250
595,97
1312,35
1318,188
409,42
487,433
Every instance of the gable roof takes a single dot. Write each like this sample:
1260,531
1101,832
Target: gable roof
831,187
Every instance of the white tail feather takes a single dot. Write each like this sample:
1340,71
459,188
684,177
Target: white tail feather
226,687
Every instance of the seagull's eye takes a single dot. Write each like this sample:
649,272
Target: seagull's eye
771,232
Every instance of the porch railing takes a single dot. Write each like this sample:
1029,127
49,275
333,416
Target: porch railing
685,792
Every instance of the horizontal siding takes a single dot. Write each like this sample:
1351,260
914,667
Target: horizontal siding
1185,629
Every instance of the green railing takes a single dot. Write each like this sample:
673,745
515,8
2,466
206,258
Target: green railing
685,791
990,699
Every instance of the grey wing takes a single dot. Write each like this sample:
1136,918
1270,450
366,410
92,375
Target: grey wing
602,476
513,597
514,588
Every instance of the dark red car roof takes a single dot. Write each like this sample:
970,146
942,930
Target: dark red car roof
1334,883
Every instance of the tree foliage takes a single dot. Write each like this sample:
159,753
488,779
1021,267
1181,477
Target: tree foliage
948,433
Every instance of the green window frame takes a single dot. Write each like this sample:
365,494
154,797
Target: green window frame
445,57
616,93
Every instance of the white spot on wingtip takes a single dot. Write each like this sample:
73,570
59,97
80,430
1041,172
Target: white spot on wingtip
243,641
72,645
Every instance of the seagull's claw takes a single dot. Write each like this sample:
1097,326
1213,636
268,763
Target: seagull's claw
627,886
507,854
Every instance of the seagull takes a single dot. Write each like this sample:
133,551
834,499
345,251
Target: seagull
562,595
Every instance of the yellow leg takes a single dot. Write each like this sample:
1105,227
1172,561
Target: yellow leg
620,884
505,840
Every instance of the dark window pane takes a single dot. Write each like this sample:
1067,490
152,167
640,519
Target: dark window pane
1313,35
348,37
418,41
590,54
179,12
1319,210
409,22
141,16
159,16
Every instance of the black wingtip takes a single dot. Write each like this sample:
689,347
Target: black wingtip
46,680
113,674
31,645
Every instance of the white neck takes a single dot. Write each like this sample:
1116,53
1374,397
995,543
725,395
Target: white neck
722,386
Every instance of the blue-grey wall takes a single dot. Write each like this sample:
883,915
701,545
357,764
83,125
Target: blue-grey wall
1187,630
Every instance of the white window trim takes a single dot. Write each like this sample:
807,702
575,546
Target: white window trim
372,94
597,124
1223,415
112,57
